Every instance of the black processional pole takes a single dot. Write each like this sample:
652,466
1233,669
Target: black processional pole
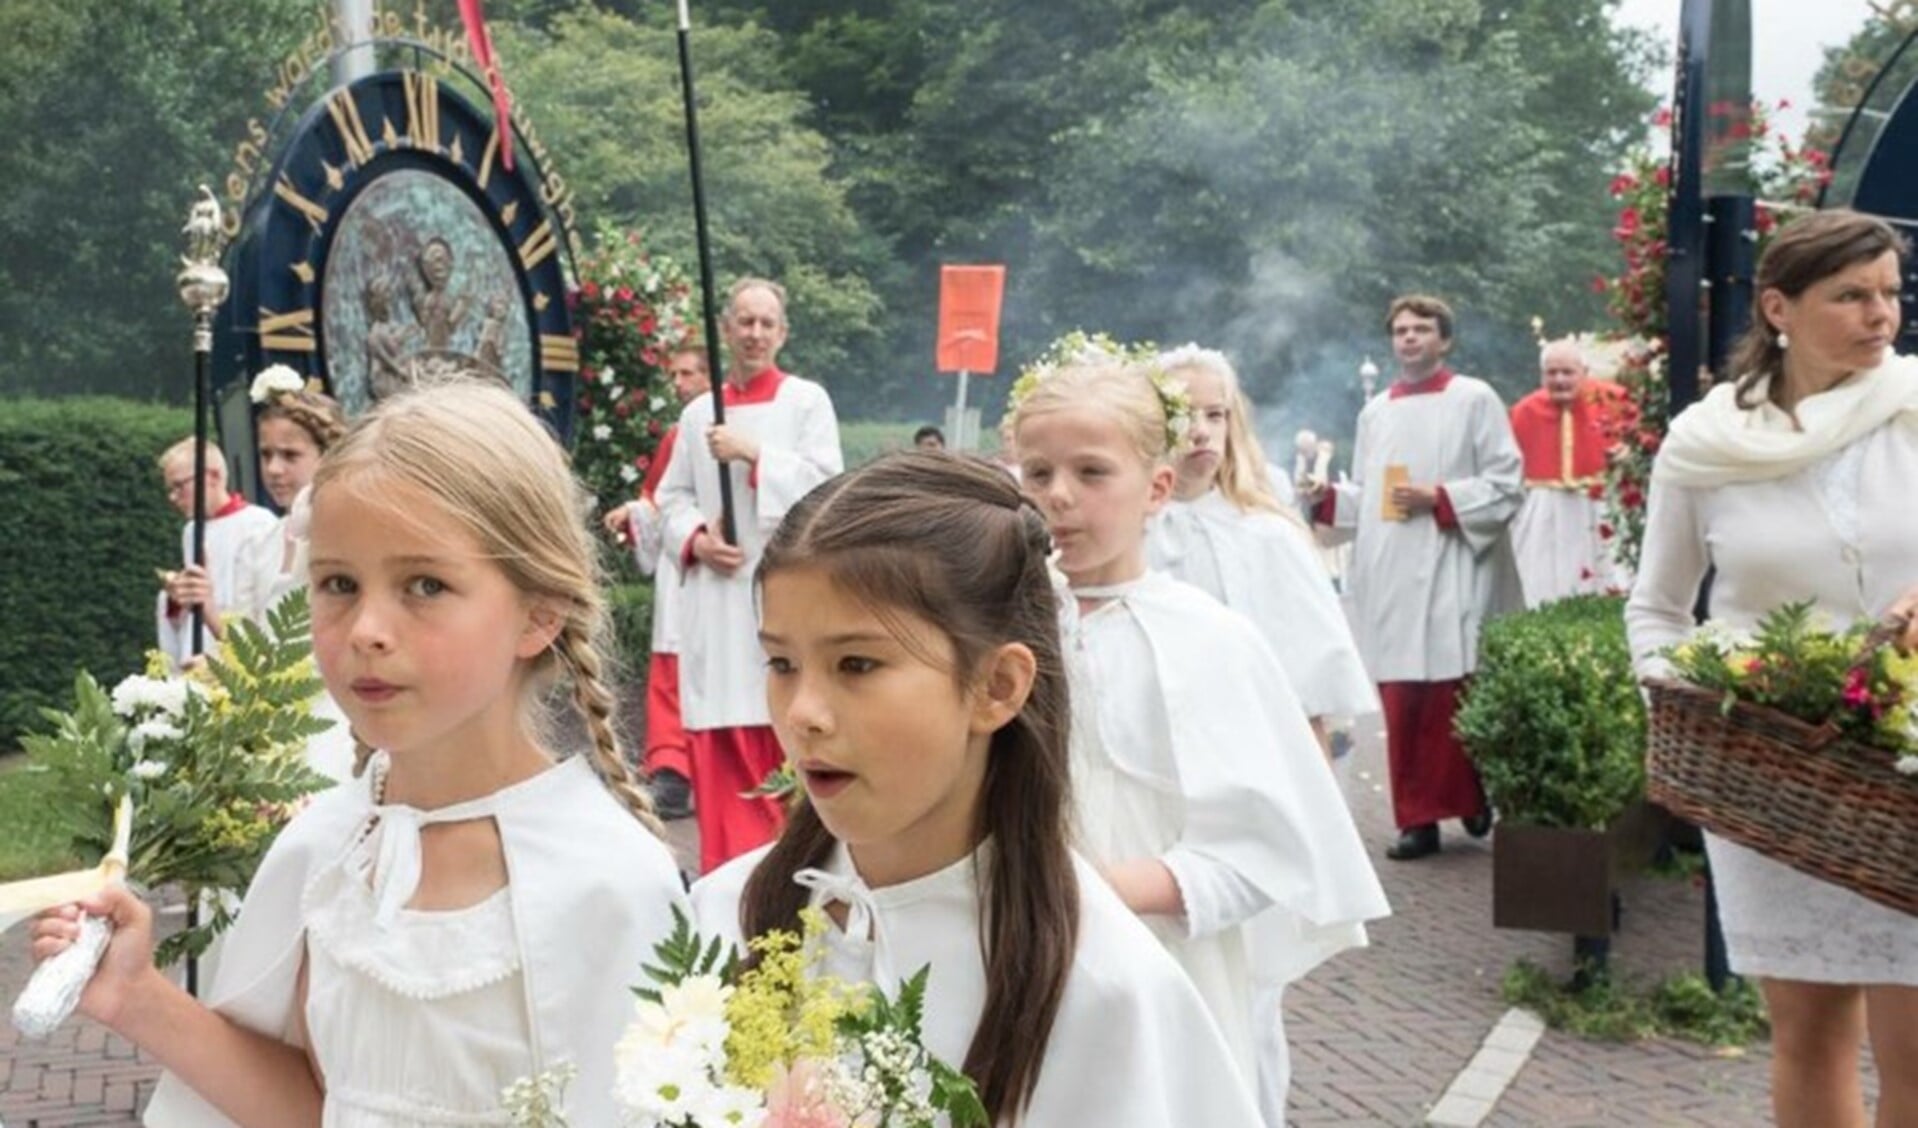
203,286
705,262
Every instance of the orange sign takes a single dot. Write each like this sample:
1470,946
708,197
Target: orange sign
969,300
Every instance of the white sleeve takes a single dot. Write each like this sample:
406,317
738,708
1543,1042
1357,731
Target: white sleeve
647,525
1486,500
781,476
1216,896
1672,561
678,500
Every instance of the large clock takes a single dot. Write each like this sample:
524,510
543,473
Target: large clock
391,245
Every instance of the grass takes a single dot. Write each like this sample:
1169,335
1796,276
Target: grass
32,842
1604,1010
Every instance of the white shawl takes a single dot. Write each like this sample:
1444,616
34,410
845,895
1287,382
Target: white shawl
1714,442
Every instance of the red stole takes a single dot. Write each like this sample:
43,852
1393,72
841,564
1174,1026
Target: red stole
1564,449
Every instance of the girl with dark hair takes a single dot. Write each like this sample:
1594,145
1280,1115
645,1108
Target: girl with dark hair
915,682
1794,483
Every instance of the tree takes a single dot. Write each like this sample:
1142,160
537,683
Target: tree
606,91
113,112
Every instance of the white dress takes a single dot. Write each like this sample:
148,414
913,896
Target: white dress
421,1022
1842,532
1132,1046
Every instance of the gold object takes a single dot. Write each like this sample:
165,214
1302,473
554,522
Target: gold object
1396,474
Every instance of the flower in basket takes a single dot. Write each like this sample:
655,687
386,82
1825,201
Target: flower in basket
213,762
716,1043
1794,662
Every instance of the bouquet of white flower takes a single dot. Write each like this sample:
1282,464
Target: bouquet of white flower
182,780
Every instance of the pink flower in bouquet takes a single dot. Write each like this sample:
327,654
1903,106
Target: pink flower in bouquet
1858,693
797,1098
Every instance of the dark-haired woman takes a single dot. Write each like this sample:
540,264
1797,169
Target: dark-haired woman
1794,483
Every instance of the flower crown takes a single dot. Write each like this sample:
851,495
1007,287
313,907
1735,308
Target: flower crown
1079,347
277,380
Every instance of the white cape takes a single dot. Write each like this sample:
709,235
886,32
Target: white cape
1132,1047
591,892
1267,568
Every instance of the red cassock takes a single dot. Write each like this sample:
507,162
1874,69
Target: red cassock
1565,448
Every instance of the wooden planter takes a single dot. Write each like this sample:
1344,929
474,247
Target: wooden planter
1553,879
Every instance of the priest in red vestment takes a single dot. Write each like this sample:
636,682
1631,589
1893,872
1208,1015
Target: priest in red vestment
1564,430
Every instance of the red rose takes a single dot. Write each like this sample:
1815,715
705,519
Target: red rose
647,324
1663,117
642,462
1596,491
1623,183
590,291
1663,176
624,294
1605,530
623,408
652,427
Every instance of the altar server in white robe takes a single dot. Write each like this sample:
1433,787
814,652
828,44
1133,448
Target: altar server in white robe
232,524
780,440
471,913
915,677
1435,485
1794,482
668,760
1563,430
1199,789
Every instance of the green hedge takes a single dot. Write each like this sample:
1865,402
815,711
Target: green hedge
1553,718
84,521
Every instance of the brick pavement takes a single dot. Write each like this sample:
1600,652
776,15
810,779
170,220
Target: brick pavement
1376,1035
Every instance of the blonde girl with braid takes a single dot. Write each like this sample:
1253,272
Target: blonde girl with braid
470,908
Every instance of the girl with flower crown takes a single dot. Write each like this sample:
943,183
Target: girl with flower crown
1225,532
1200,791
910,628
295,426
466,912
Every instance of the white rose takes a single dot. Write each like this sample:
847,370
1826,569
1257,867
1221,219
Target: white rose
616,394
627,474
148,770
607,376
602,432
657,403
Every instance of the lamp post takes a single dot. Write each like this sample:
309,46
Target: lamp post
203,287
1368,378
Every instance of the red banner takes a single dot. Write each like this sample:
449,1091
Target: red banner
969,300
481,45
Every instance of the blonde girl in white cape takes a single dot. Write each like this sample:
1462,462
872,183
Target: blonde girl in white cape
467,913
915,682
1200,791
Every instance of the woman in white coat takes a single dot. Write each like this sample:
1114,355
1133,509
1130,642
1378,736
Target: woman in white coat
1794,483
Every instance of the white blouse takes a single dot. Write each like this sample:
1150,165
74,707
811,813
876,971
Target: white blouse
421,1021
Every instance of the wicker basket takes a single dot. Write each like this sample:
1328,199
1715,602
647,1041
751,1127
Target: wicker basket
1797,793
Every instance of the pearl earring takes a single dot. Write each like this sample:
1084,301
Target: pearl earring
1784,340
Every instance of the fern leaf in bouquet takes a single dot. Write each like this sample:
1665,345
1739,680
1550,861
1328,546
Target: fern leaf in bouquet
214,761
